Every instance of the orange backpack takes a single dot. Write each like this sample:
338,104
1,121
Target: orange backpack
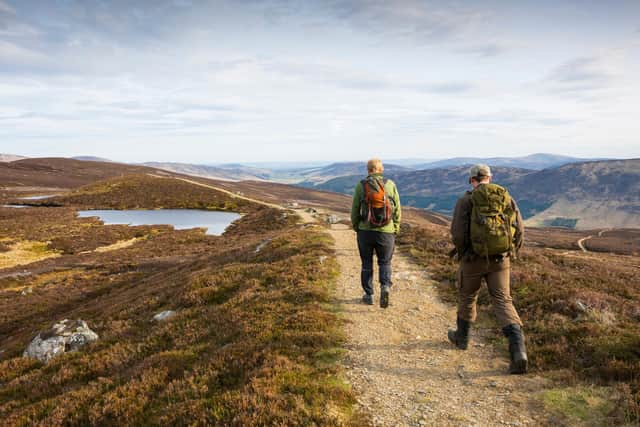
376,206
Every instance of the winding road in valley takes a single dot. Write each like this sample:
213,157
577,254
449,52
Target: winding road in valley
584,239
581,243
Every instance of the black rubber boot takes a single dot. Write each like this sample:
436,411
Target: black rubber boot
517,349
460,337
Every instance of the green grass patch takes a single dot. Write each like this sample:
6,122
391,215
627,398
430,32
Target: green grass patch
587,406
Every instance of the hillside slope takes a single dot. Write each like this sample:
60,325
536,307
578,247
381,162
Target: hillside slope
251,342
315,176
231,173
585,195
595,194
62,172
435,189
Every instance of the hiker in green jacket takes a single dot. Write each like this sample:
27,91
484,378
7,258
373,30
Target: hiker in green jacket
375,217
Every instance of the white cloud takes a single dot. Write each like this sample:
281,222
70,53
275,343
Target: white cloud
302,80
14,56
487,50
5,8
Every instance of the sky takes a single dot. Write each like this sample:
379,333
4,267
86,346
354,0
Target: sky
248,81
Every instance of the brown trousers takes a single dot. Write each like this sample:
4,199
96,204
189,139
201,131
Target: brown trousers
496,274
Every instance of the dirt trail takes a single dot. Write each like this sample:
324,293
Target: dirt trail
581,243
213,187
403,369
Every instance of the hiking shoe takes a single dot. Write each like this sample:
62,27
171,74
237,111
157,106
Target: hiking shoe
367,299
384,297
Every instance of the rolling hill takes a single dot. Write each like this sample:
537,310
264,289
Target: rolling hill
582,195
227,172
91,158
315,176
311,175
435,189
595,194
62,172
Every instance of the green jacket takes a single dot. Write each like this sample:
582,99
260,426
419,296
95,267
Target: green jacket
358,195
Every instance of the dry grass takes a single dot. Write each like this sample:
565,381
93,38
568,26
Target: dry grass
148,192
118,245
252,342
25,252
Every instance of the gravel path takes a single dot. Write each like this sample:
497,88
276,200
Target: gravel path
404,370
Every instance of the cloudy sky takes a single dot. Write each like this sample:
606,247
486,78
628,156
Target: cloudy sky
220,81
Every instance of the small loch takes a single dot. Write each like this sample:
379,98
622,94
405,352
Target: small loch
181,219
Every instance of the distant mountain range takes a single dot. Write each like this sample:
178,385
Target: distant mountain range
314,176
10,158
230,172
584,195
590,194
309,176
306,177
91,159
596,194
536,161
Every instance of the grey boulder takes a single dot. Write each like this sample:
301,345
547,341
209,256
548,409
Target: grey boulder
64,336
164,315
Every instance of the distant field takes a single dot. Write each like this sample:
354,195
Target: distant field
626,241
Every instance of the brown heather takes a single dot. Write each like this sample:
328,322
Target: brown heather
581,311
253,342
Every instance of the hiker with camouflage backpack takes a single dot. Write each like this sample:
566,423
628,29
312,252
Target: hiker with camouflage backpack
487,231
375,217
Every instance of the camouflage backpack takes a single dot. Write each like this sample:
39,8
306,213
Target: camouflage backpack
376,207
492,220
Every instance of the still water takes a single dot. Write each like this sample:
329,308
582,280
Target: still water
180,219
45,196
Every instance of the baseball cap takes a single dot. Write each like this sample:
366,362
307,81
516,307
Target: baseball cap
479,170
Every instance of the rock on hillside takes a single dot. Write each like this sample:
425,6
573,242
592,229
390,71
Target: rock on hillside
64,336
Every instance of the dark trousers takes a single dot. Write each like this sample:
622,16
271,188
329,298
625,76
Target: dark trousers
383,244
